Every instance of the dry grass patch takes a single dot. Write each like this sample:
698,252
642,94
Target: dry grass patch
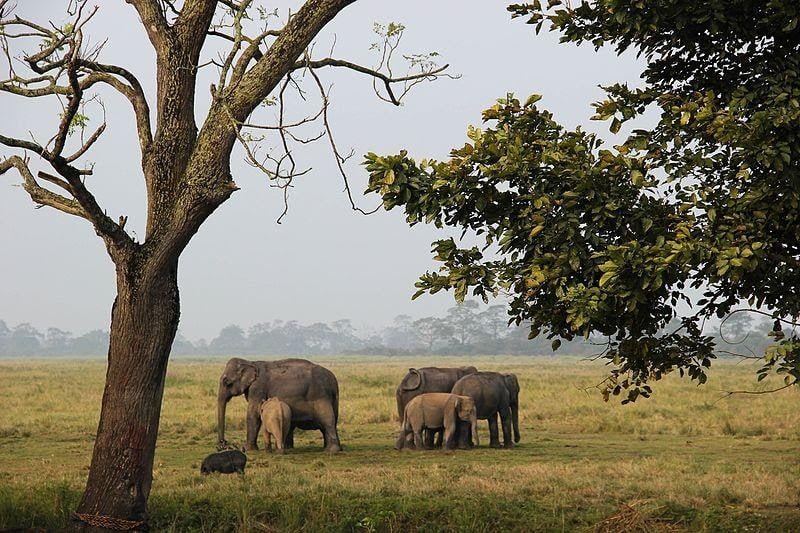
683,460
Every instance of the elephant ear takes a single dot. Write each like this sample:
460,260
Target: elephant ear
247,374
413,380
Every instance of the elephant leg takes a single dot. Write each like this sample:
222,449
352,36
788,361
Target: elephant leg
428,434
447,438
439,437
505,420
279,441
494,437
463,435
418,443
253,425
327,422
289,439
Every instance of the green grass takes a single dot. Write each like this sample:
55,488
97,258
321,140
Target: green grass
683,460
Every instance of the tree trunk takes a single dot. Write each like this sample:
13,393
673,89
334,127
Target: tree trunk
143,325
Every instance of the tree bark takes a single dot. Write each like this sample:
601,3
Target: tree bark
144,322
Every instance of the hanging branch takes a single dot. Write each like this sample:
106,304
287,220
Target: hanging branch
65,69
282,168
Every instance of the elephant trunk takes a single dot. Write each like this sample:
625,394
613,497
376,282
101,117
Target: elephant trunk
474,423
222,402
515,421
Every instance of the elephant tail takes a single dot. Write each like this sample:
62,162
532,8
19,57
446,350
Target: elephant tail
336,405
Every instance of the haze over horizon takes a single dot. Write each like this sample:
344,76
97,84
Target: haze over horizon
325,261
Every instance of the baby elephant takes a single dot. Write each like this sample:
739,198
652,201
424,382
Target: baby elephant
226,462
276,417
437,410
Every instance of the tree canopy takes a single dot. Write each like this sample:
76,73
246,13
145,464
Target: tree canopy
687,218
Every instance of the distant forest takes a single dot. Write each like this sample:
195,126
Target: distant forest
466,329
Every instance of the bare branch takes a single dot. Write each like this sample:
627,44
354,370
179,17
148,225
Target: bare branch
25,145
55,180
153,20
387,80
237,40
340,160
229,3
73,100
39,194
756,392
260,80
50,66
89,208
88,144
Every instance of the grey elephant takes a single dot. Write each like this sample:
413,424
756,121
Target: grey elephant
429,379
310,390
227,462
437,411
494,394
276,418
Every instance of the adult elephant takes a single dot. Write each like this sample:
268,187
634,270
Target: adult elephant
428,379
495,395
310,390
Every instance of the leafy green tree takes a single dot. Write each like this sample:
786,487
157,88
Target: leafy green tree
433,331
401,334
56,341
25,340
494,322
465,322
230,341
592,240
90,343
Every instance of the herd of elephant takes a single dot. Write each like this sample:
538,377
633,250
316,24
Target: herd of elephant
437,406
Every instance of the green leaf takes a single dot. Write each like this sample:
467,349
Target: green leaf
605,278
532,99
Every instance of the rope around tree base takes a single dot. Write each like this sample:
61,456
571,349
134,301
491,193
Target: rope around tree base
109,522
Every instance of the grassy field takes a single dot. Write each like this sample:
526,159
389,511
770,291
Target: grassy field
684,460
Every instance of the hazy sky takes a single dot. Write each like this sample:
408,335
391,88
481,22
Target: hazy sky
325,261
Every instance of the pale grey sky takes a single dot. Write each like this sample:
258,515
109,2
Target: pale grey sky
325,261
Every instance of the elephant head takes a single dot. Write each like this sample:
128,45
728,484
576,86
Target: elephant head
512,384
462,408
236,380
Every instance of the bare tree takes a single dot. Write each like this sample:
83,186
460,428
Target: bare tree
186,171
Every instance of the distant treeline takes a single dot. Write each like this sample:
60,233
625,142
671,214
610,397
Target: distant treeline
468,328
